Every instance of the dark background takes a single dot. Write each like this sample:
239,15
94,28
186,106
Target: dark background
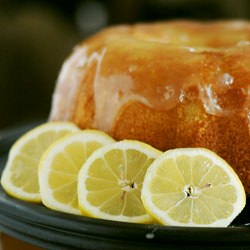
36,37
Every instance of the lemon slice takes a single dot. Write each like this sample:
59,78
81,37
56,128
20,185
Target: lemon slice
59,167
20,177
192,187
109,183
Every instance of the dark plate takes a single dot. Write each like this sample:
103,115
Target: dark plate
55,230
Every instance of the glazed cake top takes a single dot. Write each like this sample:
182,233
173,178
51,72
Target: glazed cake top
158,65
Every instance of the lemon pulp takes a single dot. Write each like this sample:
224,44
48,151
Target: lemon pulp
110,182
192,187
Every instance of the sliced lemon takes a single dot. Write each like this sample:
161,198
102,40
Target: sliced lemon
59,167
20,176
192,187
109,183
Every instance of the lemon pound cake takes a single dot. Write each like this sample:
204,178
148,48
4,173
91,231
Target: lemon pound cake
173,84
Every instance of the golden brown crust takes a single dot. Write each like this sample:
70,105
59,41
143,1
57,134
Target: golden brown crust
172,84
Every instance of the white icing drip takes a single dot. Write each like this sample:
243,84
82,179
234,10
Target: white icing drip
209,100
72,72
111,94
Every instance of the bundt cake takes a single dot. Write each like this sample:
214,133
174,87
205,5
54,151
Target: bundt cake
170,84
